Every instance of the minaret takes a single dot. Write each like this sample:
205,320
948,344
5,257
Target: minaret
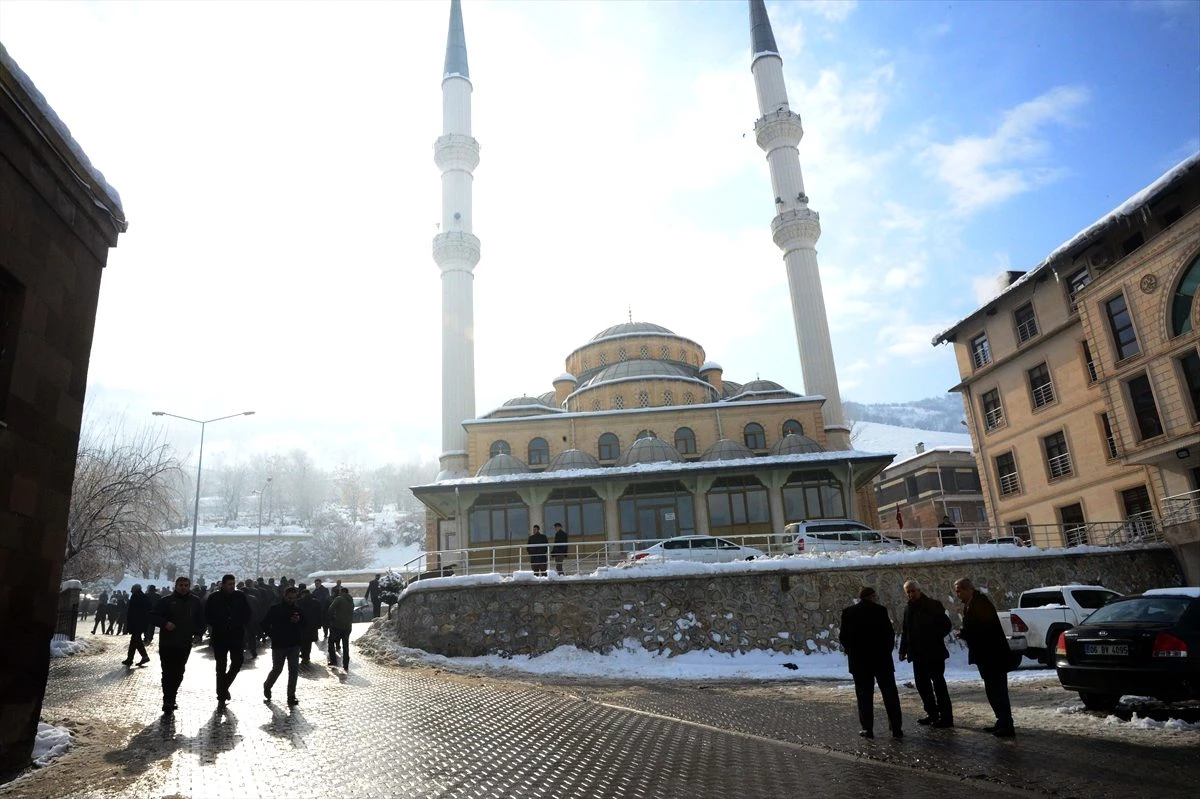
456,250
796,228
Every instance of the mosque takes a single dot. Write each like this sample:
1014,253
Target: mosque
642,437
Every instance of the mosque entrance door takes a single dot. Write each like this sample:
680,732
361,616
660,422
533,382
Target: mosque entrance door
657,521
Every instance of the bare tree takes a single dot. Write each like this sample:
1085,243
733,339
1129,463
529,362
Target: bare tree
337,543
123,496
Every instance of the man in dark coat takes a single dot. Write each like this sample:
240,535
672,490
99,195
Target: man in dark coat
247,590
373,595
947,532
180,616
137,619
227,613
284,623
101,612
321,594
987,648
923,643
867,637
153,595
537,551
560,547
313,611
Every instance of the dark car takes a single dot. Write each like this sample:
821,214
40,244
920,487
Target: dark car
1145,645
363,609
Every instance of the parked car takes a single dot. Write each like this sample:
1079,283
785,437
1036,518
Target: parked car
363,609
1007,540
1048,611
701,548
834,535
1015,631
1144,645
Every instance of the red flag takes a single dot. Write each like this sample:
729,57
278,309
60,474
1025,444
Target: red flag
899,519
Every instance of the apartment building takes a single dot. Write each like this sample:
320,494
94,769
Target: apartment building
918,490
1081,378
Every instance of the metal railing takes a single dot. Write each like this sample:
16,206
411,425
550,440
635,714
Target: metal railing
1026,330
994,418
1181,508
1043,395
65,624
1010,483
982,356
1060,465
1113,452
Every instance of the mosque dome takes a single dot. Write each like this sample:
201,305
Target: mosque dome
567,376
763,385
726,450
501,464
524,400
649,450
639,368
710,366
757,389
630,328
547,399
573,459
795,443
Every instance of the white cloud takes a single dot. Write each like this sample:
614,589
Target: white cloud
832,10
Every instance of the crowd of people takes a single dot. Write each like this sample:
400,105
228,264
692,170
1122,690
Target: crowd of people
238,617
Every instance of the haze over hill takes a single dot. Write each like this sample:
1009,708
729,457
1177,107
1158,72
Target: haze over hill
943,413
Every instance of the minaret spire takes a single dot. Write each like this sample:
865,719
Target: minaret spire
795,228
456,250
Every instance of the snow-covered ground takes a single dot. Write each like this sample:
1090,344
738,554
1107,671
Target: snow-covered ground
877,437
62,648
51,742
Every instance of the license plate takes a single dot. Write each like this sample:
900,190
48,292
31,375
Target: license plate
1112,650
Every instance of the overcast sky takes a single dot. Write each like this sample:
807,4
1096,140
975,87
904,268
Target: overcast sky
276,165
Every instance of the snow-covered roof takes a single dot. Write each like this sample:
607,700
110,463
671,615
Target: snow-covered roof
1089,234
1182,590
930,452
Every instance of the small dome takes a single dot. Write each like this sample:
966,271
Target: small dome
795,443
573,459
567,376
547,399
763,385
649,450
710,366
629,328
730,389
501,464
726,450
524,400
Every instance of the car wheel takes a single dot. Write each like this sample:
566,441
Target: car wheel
1014,660
1104,702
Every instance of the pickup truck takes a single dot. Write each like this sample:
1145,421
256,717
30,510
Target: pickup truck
1044,613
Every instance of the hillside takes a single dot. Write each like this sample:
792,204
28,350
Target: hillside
943,413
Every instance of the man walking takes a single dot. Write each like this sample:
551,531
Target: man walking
227,613
284,623
922,643
137,619
101,612
537,551
179,615
987,648
867,637
340,618
560,547
373,595
321,594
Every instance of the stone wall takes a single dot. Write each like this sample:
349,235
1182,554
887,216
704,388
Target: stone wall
788,610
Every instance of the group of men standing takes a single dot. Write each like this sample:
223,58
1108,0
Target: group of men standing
230,614
868,638
538,546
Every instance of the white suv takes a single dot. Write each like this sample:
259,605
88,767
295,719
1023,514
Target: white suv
833,535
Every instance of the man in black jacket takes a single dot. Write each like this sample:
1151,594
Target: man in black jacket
373,595
537,549
179,615
923,643
987,648
867,637
321,594
284,623
227,613
560,547
137,619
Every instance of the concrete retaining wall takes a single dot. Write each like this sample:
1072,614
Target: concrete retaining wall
785,610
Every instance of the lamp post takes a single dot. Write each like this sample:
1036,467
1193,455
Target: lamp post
260,493
199,465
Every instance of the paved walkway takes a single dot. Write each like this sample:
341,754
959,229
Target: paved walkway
392,731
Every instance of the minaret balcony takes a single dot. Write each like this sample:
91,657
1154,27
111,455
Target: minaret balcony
456,249
797,228
780,128
456,151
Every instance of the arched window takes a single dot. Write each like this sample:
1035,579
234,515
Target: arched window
685,441
791,426
499,448
609,448
1181,301
643,399
539,452
668,397
754,437
618,403
644,352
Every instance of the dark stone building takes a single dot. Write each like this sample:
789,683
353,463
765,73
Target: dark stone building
58,219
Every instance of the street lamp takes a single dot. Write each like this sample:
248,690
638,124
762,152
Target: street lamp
260,493
199,464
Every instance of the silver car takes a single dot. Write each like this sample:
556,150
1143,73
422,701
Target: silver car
834,535
699,548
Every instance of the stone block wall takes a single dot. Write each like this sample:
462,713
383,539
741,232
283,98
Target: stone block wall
789,610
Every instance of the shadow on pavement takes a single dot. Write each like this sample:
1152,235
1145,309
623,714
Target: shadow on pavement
158,740
218,735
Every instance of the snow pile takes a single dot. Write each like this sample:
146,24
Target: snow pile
62,648
1140,723
51,742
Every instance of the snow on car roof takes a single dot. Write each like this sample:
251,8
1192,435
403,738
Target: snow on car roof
1182,590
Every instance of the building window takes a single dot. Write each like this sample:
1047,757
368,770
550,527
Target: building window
596,404
668,397
1058,458
993,411
622,355
688,398
955,513
499,448
643,399
619,403
683,355
656,510
1089,363
1019,529
604,359
644,352
578,510
1040,386
981,351
1181,300
664,352
1121,325
1074,526
498,518
1189,367
685,441
813,495
609,448
1110,439
1006,474
792,427
754,436
1145,411
1133,242
1075,284
738,506
1026,323
539,452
